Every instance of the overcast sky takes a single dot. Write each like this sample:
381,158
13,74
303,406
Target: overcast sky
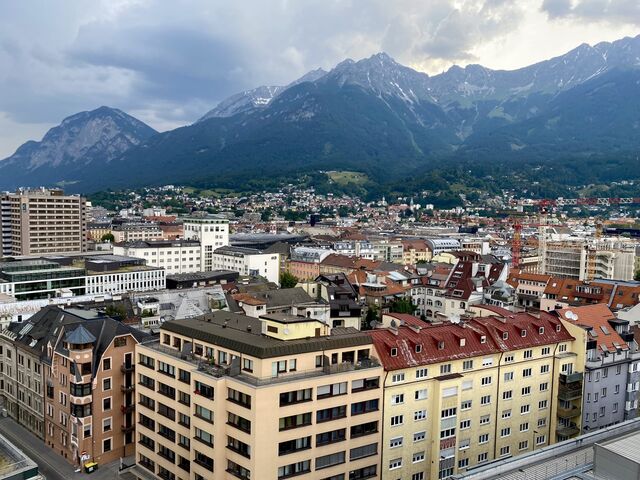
168,62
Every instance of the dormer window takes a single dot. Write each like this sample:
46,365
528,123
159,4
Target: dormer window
558,328
523,333
463,342
483,339
394,352
418,348
541,330
505,335
440,345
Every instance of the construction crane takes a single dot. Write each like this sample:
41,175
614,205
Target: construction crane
547,203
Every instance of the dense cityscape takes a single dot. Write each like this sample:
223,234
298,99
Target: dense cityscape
320,240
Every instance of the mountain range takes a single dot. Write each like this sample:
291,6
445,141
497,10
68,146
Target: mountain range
374,116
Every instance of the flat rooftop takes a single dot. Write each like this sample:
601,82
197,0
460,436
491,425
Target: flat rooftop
244,334
14,463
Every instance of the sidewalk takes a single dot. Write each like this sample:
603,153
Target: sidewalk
50,464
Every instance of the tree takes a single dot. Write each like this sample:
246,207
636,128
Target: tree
371,316
116,311
107,237
288,280
402,305
636,277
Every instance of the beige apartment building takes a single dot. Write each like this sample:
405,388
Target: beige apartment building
229,396
458,395
38,222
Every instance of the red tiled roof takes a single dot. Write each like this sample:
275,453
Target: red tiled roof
596,317
415,332
248,299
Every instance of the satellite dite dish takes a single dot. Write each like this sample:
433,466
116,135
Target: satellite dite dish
286,331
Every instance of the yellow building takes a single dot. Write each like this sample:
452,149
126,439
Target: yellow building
226,395
457,395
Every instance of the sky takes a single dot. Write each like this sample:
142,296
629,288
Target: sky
169,62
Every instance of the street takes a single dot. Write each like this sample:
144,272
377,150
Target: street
50,464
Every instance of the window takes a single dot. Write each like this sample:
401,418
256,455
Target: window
509,358
464,444
333,436
445,369
204,413
543,404
524,427
526,372
420,415
526,390
106,425
485,400
464,424
418,457
505,432
447,433
363,451
484,438
603,392
467,365
328,414
524,409
465,405
421,394
364,429
523,445
418,476
506,450
508,395
106,384
240,398
394,352
295,421
419,436
463,463
448,412
106,404
508,376
396,442
485,381
325,391
106,365
485,419
540,439
204,437
397,378
106,445
544,386
483,457
546,350
422,373
364,407
544,368
397,399
330,460
297,396
395,464
397,420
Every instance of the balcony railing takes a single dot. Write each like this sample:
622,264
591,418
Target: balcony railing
127,428
571,377
127,388
126,368
568,394
568,430
568,413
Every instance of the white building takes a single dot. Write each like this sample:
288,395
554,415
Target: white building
248,261
175,256
212,232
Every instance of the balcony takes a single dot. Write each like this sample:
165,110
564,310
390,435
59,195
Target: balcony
127,388
127,368
568,394
127,428
568,430
571,377
567,413
127,408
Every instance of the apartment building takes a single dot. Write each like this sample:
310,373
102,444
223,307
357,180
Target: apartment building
612,368
130,232
248,261
67,375
414,251
304,262
529,287
212,231
38,222
345,309
174,256
225,395
458,395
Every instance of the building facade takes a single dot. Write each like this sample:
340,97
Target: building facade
38,222
174,256
458,395
212,232
247,261
284,399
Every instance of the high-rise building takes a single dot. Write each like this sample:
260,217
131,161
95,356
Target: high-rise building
225,395
38,222
212,231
